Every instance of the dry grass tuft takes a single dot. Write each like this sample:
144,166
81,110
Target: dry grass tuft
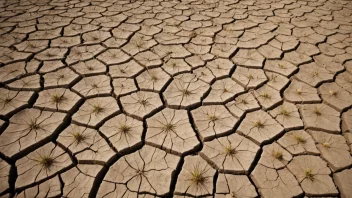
258,124
46,161
300,139
79,137
278,155
309,174
97,109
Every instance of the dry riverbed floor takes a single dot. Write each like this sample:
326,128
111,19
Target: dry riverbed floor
212,98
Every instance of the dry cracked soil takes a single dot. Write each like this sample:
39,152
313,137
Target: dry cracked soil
176,98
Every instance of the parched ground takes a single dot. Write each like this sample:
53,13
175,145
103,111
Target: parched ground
212,98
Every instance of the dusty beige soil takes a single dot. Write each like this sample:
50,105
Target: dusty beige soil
159,98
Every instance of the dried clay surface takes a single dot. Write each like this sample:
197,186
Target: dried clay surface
175,98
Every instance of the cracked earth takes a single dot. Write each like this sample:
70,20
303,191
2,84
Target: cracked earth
175,98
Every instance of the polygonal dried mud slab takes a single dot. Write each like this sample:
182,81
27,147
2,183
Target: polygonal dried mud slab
320,117
298,92
241,25
249,58
330,50
50,66
243,103
123,132
95,37
313,175
176,66
148,59
329,63
9,56
85,144
77,29
234,186
335,96
51,54
141,104
223,50
313,75
171,51
94,86
95,110
169,39
153,80
333,149
197,49
29,83
61,78
275,183
308,49
287,115
197,61
79,180
139,43
123,86
185,91
220,67
260,127
109,189
148,170
280,66
171,130
59,99
195,178
312,38
227,36
298,142
249,78
267,97
125,70
11,38
213,121
11,72
4,175
113,56
344,182
232,154
13,101
201,40
83,53
114,42
296,58
65,41
274,156
344,80
90,67
254,38
270,52
49,188
191,24
40,164
32,46
222,91
29,129
125,30
277,81
204,74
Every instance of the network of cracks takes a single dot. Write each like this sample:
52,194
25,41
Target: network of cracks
197,98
